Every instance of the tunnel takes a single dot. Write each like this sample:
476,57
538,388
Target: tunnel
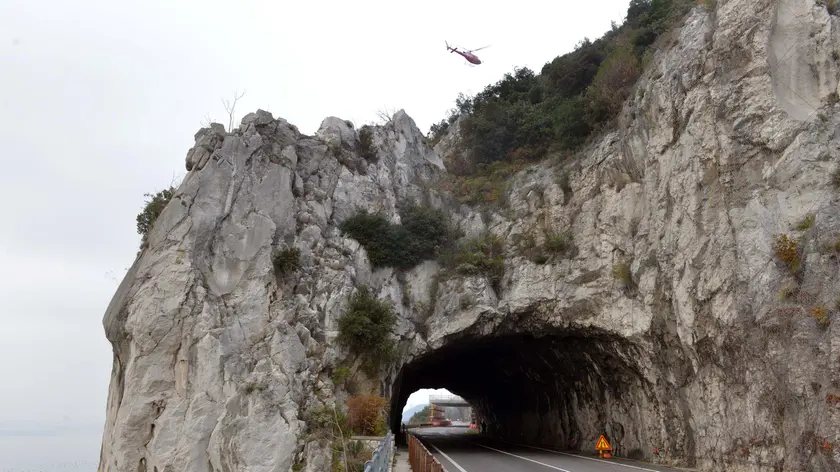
558,388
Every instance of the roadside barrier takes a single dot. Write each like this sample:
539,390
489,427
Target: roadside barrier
420,458
380,461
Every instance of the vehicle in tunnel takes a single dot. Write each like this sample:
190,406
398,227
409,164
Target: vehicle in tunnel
432,414
558,388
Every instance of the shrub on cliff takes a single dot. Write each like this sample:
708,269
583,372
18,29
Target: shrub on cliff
422,232
611,86
154,207
525,115
437,130
788,252
488,184
368,415
365,328
286,261
482,255
366,147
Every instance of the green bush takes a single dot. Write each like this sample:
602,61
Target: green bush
621,272
422,232
558,243
366,148
355,452
365,328
806,223
503,119
570,125
437,130
340,375
488,184
478,256
611,87
554,246
287,260
146,219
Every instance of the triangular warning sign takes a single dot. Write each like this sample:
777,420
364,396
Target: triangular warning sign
603,445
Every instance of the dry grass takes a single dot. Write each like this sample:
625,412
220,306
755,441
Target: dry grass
821,315
787,250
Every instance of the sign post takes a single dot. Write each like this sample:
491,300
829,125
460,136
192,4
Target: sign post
603,448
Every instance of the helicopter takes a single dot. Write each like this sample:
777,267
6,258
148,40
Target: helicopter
468,54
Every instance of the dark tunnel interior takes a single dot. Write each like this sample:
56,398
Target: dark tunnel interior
554,388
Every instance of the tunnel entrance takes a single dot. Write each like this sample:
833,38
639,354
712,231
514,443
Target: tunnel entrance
436,407
555,388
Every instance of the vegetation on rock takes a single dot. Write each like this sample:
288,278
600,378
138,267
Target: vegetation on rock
554,246
366,149
806,223
478,256
488,184
621,272
153,208
286,260
368,415
350,456
832,6
525,116
340,375
820,315
422,233
333,425
324,423
365,329
787,251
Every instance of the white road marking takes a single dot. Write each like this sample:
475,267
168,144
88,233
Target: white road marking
588,458
523,458
448,458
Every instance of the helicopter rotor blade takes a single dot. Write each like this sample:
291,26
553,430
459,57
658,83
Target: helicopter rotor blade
479,49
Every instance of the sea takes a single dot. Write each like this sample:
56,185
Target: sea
44,452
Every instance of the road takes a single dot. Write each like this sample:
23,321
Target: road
462,451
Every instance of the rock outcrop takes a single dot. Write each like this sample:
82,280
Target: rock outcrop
663,327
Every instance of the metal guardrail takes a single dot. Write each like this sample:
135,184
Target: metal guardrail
420,458
380,461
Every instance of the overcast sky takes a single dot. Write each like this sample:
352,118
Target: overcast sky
100,100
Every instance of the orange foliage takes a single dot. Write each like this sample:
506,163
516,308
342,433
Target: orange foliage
367,414
787,251
824,444
820,315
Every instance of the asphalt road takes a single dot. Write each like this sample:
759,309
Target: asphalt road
461,451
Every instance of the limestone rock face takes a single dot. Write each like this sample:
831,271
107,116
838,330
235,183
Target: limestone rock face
728,141
215,357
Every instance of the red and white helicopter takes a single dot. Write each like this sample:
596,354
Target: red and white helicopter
467,54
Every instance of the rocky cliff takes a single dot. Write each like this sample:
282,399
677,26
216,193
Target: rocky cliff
669,316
